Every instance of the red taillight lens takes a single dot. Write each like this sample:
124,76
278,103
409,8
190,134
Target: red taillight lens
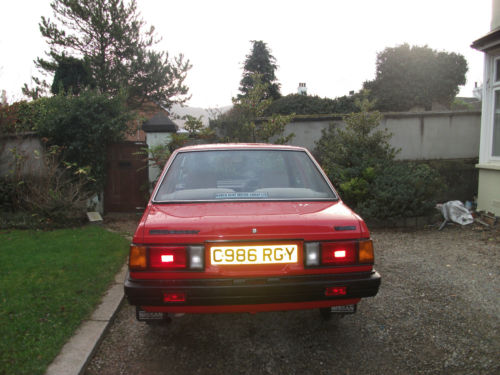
174,297
173,257
338,253
336,291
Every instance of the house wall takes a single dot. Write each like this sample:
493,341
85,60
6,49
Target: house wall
420,136
489,165
495,14
489,189
26,146
489,159
152,140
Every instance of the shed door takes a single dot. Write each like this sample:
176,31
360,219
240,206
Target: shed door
126,187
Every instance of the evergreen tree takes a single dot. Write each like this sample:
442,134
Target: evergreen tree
109,35
260,63
416,76
71,75
245,122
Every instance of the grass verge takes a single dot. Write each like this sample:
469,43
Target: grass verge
50,282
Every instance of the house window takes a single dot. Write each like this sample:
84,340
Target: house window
495,147
494,127
497,70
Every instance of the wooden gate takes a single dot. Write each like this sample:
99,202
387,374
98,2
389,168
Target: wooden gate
126,187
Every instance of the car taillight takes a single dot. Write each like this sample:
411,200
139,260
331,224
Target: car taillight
317,254
137,259
366,252
311,256
338,253
174,297
171,257
196,255
336,291
166,257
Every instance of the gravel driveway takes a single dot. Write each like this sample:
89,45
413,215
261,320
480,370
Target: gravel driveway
437,312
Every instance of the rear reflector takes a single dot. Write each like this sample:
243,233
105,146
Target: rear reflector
336,291
338,253
174,297
172,257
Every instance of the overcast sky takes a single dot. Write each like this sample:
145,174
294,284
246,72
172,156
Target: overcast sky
331,45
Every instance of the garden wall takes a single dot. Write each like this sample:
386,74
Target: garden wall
448,141
26,146
419,135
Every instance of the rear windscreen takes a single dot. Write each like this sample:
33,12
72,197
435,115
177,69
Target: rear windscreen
221,175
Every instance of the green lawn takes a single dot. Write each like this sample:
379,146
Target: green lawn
49,283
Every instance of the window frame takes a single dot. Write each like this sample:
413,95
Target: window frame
490,88
495,91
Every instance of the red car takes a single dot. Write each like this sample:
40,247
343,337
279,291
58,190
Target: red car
248,228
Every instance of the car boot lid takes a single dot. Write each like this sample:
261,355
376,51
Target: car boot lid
234,221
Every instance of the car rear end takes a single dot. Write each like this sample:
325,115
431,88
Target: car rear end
250,250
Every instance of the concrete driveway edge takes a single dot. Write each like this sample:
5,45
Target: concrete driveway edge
78,351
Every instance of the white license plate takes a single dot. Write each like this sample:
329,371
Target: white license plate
254,254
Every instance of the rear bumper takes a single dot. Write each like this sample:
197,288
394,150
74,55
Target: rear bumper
212,295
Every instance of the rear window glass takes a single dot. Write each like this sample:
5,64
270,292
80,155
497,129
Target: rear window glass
222,175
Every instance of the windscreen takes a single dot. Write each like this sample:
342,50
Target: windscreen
227,175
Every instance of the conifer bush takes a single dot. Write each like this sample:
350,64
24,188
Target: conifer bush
361,164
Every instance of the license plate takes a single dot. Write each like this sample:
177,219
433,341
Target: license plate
345,309
254,254
144,316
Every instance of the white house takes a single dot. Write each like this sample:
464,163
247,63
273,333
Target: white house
159,130
489,150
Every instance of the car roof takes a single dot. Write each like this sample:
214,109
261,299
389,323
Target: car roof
239,146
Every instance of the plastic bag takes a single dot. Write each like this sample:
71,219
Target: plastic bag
455,211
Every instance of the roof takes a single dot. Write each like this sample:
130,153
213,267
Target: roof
159,123
239,146
488,42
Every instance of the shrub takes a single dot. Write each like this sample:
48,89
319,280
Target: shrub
8,194
57,197
245,122
346,154
16,118
60,193
311,105
460,104
401,189
228,124
361,163
83,126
